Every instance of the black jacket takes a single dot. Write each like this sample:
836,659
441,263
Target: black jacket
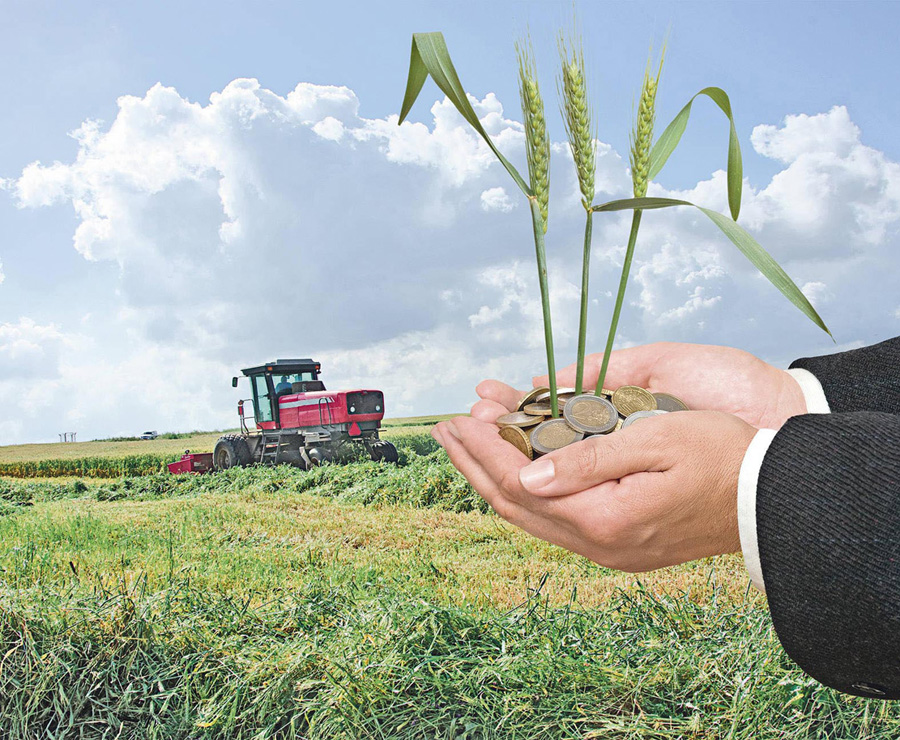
828,525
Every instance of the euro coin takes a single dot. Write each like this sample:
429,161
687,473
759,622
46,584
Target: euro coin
553,434
606,392
518,419
668,402
532,396
591,414
638,415
631,398
619,424
539,408
515,436
545,396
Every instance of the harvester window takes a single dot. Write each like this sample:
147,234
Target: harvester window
262,401
296,383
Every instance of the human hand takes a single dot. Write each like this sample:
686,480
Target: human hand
705,377
660,492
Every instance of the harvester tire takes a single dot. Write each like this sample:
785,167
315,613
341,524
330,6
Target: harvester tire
232,451
381,450
389,453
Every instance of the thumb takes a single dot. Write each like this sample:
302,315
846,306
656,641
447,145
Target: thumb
595,460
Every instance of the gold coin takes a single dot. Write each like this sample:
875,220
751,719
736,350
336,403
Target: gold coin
606,392
515,436
545,396
539,408
518,419
591,414
619,424
630,398
532,396
668,402
552,435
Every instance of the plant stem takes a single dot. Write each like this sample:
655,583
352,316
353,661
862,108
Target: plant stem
623,282
585,278
537,223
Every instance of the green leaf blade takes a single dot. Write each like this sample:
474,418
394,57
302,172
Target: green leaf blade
749,247
670,138
430,56
766,264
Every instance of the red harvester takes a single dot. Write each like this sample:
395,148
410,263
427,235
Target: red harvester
300,423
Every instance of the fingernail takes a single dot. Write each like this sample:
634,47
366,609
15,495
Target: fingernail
537,475
435,432
452,429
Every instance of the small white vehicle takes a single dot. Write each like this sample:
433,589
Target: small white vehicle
149,435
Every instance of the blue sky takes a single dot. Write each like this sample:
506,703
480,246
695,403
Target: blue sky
120,319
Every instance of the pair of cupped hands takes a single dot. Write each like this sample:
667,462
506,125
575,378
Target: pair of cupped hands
657,493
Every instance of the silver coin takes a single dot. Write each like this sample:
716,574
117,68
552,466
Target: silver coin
638,415
668,402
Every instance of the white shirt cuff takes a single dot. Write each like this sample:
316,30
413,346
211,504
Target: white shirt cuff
816,403
746,503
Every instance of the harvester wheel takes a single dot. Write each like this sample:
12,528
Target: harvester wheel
389,453
381,450
319,455
232,451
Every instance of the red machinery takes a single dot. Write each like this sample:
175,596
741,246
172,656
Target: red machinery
192,462
300,423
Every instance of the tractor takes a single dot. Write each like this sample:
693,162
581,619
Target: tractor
297,422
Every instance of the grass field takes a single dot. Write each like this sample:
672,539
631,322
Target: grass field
369,601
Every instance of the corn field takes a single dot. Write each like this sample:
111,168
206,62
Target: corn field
88,467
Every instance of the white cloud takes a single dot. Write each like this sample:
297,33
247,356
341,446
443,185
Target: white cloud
258,225
496,199
816,292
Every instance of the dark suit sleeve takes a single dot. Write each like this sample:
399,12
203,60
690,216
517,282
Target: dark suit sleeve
828,525
866,379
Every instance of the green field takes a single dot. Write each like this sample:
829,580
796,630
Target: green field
369,601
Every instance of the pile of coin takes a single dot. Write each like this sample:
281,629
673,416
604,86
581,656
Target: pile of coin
531,430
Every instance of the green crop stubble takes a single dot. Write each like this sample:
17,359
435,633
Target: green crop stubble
577,116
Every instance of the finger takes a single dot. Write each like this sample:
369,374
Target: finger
553,524
497,457
600,459
488,411
631,366
505,395
484,485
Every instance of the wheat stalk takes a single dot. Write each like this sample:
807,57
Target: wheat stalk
537,138
537,152
641,142
577,116
642,136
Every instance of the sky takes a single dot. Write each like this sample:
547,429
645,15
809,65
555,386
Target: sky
189,189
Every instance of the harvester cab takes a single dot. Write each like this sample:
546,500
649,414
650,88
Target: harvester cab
297,421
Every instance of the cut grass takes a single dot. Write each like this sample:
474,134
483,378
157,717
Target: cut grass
296,616
262,540
369,601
